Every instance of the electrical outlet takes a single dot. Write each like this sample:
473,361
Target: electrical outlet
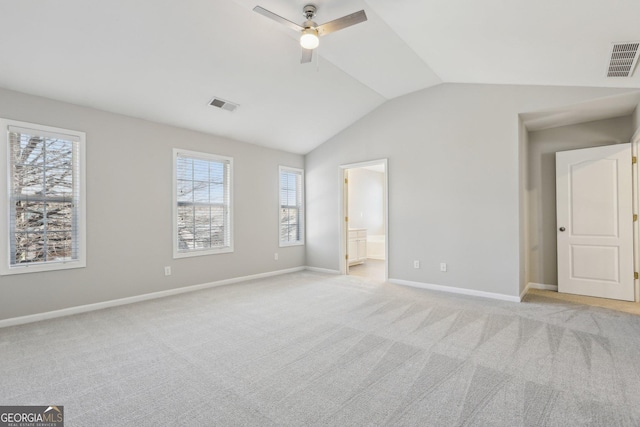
275,256
416,264
443,266
167,271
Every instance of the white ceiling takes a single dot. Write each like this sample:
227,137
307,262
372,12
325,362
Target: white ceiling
164,60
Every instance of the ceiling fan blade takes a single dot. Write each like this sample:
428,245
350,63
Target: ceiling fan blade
278,18
340,23
307,55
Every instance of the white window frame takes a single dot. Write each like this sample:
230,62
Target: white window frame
301,208
80,222
209,157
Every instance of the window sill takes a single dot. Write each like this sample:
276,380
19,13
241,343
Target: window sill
194,253
41,268
286,245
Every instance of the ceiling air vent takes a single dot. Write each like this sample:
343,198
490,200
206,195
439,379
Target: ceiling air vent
624,57
221,103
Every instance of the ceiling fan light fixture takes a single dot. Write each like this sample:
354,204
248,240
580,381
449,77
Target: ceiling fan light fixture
309,38
309,31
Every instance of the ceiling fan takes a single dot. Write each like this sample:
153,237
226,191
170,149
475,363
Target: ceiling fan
310,31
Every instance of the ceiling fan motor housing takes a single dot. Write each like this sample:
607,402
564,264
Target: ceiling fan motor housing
309,11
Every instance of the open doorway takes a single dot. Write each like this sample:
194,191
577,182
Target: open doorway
365,232
543,268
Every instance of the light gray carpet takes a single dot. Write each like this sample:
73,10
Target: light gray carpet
311,349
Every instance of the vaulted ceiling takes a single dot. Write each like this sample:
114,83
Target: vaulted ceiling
164,60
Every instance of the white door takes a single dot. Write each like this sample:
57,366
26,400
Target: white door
595,222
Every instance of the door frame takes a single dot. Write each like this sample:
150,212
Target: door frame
635,149
344,212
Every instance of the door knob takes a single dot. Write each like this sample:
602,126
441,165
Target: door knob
562,228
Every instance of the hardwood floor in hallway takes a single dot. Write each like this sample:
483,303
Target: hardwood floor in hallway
371,269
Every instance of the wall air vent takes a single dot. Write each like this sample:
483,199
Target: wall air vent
221,103
624,57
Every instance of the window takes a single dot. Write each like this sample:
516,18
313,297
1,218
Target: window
42,177
202,208
291,206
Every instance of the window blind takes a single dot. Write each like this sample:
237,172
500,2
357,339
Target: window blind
44,193
291,206
203,202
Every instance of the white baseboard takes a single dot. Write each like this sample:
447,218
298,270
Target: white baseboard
453,290
322,270
542,286
130,300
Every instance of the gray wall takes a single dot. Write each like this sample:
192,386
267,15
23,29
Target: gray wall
541,184
129,200
366,200
455,182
